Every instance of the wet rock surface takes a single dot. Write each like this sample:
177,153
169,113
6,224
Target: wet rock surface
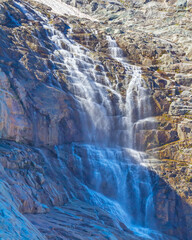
77,220
39,186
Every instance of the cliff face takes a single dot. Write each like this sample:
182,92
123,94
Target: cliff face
27,83
39,111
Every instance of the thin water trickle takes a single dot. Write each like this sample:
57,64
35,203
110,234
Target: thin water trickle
137,102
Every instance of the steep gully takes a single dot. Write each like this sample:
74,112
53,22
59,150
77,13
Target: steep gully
105,169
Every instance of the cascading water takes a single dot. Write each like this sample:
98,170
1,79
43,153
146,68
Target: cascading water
111,173
113,177
137,102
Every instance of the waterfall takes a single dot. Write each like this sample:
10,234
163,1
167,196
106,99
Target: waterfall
113,177
106,164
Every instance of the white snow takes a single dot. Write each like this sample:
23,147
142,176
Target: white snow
62,8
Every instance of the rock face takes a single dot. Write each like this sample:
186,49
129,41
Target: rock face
28,114
39,112
90,222
13,223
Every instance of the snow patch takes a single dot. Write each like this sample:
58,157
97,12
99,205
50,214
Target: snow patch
62,8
